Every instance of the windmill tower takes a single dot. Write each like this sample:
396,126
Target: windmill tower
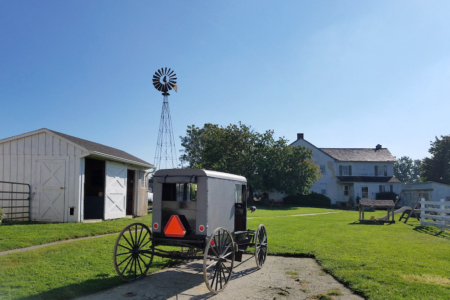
164,80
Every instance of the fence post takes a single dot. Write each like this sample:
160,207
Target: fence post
422,211
443,216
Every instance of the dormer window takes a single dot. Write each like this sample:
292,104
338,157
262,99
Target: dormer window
345,170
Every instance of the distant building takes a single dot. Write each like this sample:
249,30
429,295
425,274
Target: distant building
352,172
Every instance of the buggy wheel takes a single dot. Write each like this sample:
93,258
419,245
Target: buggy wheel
218,260
133,254
260,246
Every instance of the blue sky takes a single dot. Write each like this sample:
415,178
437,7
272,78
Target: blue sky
345,73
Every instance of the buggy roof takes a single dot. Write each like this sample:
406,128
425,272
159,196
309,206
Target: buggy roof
198,173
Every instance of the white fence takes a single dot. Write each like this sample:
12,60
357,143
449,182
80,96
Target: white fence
440,213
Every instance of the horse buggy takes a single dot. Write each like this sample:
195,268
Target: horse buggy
197,214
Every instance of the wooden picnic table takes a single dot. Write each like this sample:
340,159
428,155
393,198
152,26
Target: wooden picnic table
388,204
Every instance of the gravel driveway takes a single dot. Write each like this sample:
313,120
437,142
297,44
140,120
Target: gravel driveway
280,278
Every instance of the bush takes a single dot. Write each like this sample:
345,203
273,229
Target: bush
311,200
386,196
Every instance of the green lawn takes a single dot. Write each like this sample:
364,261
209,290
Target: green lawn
399,261
286,210
14,236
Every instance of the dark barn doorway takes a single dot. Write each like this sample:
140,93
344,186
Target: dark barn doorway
130,192
94,189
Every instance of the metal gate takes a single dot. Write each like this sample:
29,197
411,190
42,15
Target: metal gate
15,201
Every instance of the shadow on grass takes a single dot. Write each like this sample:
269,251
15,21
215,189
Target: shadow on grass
367,223
431,231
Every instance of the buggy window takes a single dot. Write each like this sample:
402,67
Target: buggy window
179,192
238,193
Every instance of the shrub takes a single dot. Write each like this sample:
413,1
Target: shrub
350,202
311,200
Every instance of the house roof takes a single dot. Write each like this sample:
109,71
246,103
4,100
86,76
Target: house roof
96,148
360,154
381,179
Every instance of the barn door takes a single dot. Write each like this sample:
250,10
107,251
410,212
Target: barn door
50,190
115,190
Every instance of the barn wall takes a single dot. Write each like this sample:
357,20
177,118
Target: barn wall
19,163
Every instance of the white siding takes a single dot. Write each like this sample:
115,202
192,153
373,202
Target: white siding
18,163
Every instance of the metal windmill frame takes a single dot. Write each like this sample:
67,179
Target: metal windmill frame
164,80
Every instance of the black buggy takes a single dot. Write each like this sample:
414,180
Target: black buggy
202,212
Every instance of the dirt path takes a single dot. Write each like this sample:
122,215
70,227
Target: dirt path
54,243
302,215
280,278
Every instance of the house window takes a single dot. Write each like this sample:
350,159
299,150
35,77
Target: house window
345,170
322,169
345,190
323,188
365,192
380,170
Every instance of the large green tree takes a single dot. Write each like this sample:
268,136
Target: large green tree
437,167
267,163
407,170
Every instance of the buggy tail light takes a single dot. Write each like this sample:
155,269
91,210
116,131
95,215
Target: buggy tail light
212,242
155,225
201,228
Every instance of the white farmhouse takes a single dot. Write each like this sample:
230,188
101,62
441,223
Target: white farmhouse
352,172
72,179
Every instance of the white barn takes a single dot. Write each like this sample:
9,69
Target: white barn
72,179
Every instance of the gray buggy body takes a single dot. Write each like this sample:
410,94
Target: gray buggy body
206,199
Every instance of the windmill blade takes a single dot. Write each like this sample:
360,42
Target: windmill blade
155,79
171,73
174,78
159,72
168,71
158,86
155,76
165,71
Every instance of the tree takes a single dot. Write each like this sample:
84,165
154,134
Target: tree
268,164
407,170
437,167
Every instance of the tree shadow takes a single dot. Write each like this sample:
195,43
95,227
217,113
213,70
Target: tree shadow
431,231
160,285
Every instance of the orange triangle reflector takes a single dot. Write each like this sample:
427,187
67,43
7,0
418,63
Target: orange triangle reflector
174,227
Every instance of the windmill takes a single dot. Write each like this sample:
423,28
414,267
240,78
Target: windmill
164,80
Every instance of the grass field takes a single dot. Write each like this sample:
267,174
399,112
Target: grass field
14,236
399,261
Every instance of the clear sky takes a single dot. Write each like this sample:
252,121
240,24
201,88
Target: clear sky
347,74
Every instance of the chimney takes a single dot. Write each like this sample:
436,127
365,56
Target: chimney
299,136
378,147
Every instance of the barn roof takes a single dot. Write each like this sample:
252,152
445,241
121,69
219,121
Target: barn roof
96,148
360,154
